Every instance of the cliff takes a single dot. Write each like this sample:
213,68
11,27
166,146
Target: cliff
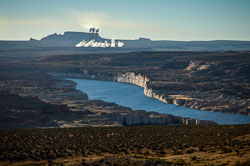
140,80
132,78
135,118
152,118
178,99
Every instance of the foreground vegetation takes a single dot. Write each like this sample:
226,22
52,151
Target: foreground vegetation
148,145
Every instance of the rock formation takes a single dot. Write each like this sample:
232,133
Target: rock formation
211,81
35,99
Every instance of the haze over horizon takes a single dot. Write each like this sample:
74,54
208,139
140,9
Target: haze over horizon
131,19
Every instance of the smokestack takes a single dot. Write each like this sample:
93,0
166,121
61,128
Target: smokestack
90,29
96,31
93,31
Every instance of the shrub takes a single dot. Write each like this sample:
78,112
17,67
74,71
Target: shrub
190,151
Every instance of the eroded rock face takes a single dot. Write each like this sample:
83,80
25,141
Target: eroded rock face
178,102
131,77
153,118
192,100
140,80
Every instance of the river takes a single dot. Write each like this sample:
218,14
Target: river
133,96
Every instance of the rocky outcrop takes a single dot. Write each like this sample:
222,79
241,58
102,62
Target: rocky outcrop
152,118
132,78
123,116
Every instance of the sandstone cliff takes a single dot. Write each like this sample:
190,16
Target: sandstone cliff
140,80
188,99
134,118
153,118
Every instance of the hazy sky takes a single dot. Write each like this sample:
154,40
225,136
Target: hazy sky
127,19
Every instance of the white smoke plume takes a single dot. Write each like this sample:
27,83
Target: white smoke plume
93,43
105,21
120,44
89,20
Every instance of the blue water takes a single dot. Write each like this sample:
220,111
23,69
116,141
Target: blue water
133,96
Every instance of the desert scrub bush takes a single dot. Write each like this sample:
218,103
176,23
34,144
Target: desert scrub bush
189,151
236,151
225,150
177,152
201,148
38,143
193,158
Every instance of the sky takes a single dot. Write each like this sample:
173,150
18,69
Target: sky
186,20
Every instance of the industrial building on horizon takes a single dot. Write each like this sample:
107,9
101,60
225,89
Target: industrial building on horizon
93,40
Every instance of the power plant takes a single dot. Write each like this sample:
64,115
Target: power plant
93,33
93,40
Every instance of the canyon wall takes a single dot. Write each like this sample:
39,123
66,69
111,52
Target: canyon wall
140,80
143,81
153,118
135,118
82,76
191,100
129,77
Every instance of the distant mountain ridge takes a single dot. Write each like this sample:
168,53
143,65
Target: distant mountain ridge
70,39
